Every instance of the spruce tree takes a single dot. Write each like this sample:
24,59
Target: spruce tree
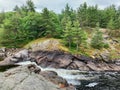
68,34
79,35
97,40
111,24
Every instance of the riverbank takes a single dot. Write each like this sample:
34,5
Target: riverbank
62,69
61,60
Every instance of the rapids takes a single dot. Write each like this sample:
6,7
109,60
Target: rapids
86,80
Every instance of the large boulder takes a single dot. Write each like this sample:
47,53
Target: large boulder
26,78
46,44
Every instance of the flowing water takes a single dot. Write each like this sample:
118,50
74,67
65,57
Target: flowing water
86,80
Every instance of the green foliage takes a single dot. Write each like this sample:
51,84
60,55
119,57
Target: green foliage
111,24
25,24
97,40
2,17
87,15
106,45
79,35
32,23
67,14
11,22
68,34
73,35
50,23
30,6
82,14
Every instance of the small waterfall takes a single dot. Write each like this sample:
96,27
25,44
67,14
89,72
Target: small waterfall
85,80
72,76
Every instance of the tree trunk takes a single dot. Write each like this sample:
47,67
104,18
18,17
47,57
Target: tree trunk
77,47
69,44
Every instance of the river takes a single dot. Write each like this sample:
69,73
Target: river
86,80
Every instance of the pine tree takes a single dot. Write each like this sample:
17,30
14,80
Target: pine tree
51,24
97,40
68,34
79,35
82,14
111,24
30,6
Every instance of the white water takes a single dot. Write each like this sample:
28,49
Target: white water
72,76
92,84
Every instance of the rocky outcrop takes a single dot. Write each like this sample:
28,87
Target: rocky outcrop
59,59
17,57
46,44
29,78
6,52
2,53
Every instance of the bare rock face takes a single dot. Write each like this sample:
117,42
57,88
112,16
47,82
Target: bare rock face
26,78
59,59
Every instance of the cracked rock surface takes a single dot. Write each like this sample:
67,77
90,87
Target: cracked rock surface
21,78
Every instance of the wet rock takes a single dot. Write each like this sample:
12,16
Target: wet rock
34,69
53,77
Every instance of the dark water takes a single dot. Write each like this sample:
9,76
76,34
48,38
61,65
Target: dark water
103,81
4,68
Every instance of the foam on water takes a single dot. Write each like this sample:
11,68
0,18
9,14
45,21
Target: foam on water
92,84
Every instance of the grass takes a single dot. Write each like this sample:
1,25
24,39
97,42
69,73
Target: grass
52,44
1,35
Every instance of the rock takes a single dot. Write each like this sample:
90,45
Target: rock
59,59
2,53
63,61
53,77
93,66
83,58
114,67
105,57
56,59
22,55
7,61
81,65
2,49
34,69
117,62
22,78
46,44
